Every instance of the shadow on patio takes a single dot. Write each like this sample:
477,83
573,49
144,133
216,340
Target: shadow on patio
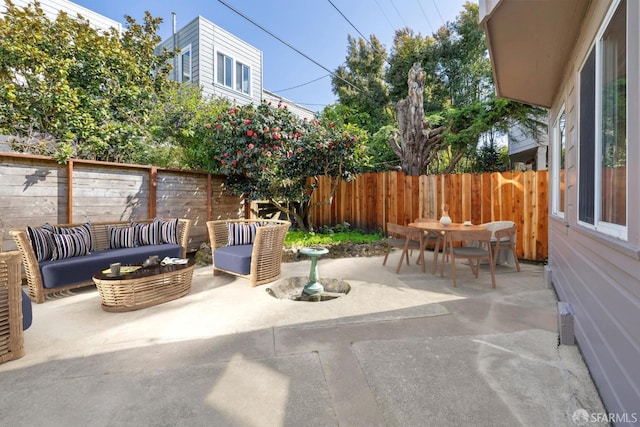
399,349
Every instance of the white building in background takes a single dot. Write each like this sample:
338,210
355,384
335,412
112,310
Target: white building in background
526,151
52,8
222,64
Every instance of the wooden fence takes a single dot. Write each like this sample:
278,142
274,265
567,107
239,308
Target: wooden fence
36,189
374,199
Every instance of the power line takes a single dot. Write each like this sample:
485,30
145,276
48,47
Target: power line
425,15
289,45
302,84
385,16
438,10
398,12
354,27
347,19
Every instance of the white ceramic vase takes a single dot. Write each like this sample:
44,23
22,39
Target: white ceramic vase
445,220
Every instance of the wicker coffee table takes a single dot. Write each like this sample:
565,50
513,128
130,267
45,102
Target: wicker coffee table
144,287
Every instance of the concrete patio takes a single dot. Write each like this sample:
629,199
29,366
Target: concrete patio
402,349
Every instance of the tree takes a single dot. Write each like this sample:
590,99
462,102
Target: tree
414,140
359,83
179,123
410,48
88,91
269,154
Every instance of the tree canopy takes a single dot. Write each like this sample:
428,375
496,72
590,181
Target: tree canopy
85,93
270,154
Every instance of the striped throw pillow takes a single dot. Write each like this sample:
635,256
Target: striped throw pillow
85,229
69,245
168,230
121,237
241,234
146,234
41,242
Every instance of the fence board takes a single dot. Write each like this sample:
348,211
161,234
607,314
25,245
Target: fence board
384,197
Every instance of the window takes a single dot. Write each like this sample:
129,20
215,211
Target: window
185,66
225,70
602,177
558,165
239,80
242,78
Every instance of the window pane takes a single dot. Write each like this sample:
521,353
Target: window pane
586,179
245,80
238,76
228,69
186,66
614,119
220,73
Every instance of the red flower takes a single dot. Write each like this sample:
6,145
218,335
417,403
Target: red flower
268,153
289,153
331,124
225,154
251,146
234,163
247,122
249,133
276,136
208,125
275,147
299,150
218,126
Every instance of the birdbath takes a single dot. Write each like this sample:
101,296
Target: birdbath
313,286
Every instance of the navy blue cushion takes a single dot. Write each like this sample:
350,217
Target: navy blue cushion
27,315
80,269
234,258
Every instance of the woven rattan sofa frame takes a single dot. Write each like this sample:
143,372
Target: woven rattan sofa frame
11,333
37,291
266,257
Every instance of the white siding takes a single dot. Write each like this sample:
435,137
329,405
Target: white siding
52,8
597,274
296,109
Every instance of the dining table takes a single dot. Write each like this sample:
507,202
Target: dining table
442,230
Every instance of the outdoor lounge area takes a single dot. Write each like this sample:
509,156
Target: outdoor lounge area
402,349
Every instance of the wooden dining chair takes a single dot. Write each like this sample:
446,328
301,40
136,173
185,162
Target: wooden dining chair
505,238
431,238
401,237
471,253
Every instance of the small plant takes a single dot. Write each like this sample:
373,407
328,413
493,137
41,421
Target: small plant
300,238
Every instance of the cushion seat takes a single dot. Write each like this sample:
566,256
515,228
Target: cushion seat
234,258
80,269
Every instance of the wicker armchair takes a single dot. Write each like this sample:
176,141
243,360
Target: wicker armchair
265,252
11,327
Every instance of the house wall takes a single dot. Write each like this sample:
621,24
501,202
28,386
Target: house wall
296,109
52,8
206,40
597,274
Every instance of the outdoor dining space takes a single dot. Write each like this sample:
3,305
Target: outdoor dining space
487,242
401,348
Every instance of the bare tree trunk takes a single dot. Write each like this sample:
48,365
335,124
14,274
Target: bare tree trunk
415,139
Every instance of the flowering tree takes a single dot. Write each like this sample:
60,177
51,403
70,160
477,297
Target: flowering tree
269,154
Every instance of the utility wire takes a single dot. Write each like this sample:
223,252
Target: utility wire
289,45
354,27
438,10
425,15
398,12
347,19
302,84
385,16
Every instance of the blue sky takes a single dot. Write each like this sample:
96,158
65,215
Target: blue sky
314,27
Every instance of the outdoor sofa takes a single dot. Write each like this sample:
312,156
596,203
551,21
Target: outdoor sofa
66,256
249,248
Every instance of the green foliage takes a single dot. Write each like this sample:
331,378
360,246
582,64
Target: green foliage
383,157
301,238
179,124
87,91
360,83
268,153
